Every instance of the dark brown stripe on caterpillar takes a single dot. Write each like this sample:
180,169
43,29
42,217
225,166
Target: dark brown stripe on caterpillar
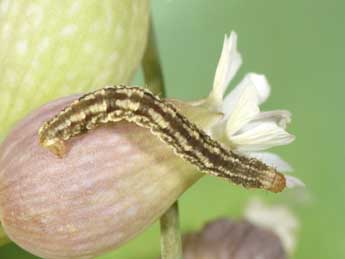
135,104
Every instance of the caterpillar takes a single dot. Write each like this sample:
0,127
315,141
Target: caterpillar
139,105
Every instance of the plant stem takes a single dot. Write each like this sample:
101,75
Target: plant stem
3,238
152,69
171,246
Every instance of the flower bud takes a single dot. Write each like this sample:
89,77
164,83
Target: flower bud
227,239
113,183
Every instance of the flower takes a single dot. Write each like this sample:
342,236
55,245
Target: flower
117,180
277,218
244,127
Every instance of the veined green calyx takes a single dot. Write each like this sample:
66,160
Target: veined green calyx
51,49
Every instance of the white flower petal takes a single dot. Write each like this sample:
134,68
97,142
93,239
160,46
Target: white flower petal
231,99
292,182
228,64
261,84
243,110
281,117
258,136
278,219
273,160
258,82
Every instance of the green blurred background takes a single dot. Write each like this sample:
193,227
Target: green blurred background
299,45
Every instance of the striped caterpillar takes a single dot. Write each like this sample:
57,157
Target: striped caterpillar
135,104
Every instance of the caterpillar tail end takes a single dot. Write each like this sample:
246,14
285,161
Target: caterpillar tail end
278,183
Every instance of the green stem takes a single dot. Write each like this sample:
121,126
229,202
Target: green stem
151,66
3,238
171,246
